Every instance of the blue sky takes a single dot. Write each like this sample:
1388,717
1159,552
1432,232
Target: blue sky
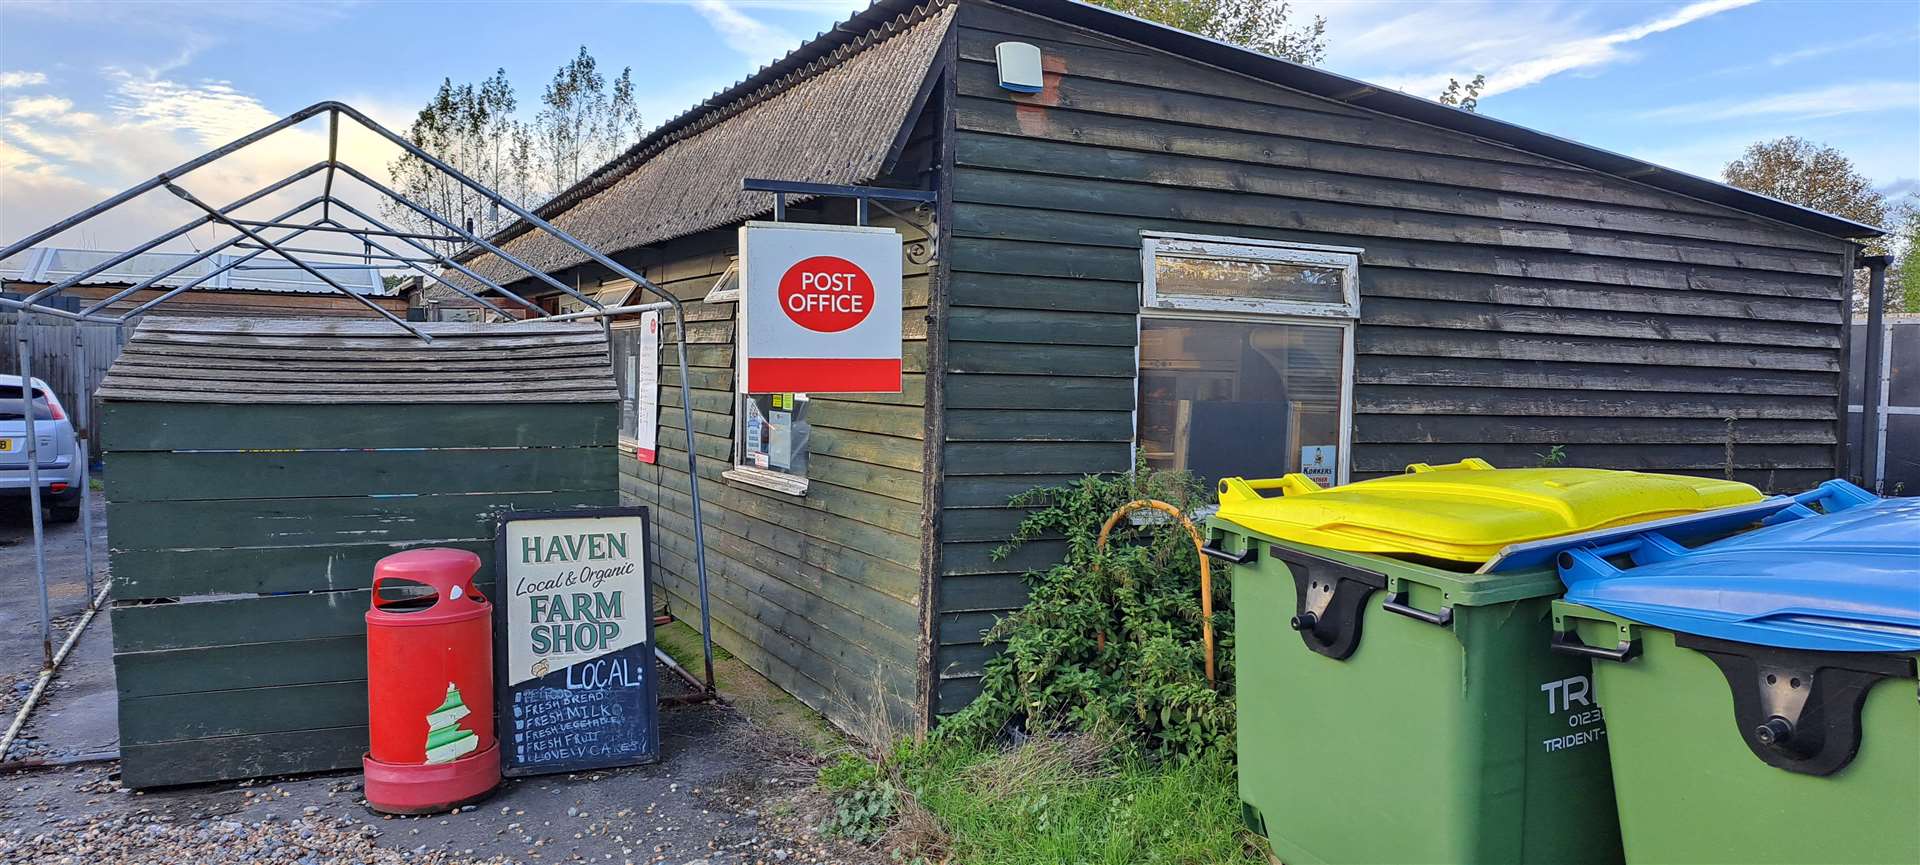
94,97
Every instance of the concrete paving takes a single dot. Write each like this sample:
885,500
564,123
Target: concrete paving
77,715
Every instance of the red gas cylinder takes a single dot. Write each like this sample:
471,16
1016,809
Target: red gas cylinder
429,685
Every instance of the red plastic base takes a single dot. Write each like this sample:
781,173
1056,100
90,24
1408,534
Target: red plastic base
423,788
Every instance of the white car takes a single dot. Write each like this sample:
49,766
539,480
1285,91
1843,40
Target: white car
58,450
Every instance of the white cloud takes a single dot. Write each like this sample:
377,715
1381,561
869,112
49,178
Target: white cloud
19,78
751,36
55,160
1417,48
1833,101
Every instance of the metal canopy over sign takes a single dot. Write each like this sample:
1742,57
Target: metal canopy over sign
820,311
575,681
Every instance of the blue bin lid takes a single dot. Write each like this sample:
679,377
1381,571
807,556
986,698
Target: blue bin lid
1847,580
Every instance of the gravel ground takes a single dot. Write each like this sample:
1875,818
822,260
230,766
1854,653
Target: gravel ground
728,792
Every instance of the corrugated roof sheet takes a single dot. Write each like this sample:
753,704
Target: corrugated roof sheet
232,360
827,113
47,265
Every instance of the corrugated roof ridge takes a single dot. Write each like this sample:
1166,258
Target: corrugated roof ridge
748,92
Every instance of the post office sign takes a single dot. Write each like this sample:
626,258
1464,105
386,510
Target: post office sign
819,308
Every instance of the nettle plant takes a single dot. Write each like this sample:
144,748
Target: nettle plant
1110,637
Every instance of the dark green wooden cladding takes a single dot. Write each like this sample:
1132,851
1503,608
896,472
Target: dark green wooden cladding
243,540
1509,303
821,592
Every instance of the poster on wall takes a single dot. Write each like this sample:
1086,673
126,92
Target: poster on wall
1319,463
575,681
645,377
819,308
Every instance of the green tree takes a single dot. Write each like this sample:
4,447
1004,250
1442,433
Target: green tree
582,125
1464,97
472,128
1802,172
1261,25
1903,279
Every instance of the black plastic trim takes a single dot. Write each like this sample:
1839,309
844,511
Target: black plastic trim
1397,603
1798,709
1569,643
1329,598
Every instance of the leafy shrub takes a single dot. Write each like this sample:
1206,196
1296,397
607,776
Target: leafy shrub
863,812
1142,592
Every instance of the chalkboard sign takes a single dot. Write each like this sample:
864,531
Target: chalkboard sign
574,671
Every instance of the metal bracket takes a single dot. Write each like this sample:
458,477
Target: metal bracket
1796,709
1329,597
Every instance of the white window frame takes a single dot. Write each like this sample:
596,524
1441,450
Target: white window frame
626,438
1344,258
1342,316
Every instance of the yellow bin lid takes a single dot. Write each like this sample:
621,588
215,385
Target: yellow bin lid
1466,511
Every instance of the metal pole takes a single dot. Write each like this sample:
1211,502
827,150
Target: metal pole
147,186
102,267
448,283
686,389
1870,392
367,257
209,252
611,311
470,237
83,429
24,337
255,236
271,223
449,262
189,285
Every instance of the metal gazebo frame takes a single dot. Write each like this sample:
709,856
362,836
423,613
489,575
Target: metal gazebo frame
249,236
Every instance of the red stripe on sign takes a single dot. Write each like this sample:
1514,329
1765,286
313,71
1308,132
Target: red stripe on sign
822,375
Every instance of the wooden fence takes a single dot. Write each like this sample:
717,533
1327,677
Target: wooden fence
58,359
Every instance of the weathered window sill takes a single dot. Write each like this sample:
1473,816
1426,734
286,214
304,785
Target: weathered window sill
779,482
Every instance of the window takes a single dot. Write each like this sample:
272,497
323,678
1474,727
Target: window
773,441
626,376
1246,357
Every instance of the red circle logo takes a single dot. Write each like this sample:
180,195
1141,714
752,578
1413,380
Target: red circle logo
826,293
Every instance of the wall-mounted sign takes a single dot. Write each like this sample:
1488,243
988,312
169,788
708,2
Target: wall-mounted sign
645,378
574,680
1319,462
820,311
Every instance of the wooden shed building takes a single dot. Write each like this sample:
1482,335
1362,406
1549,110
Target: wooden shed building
1167,244
256,471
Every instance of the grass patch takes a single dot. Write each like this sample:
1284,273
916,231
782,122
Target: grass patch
1085,798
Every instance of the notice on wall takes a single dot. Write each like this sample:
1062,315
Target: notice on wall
819,308
645,380
1320,462
575,679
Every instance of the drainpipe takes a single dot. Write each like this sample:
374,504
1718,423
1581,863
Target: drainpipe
1872,398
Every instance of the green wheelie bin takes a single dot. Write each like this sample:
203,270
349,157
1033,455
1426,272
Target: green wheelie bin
1760,690
1396,699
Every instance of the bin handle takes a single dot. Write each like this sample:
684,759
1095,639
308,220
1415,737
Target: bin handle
1245,490
1397,603
1568,643
1468,464
1213,549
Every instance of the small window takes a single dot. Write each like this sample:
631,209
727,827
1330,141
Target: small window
726,289
1246,357
1250,276
773,441
626,376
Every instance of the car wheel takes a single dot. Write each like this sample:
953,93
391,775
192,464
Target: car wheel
63,514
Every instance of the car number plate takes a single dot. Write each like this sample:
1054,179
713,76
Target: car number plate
6,445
